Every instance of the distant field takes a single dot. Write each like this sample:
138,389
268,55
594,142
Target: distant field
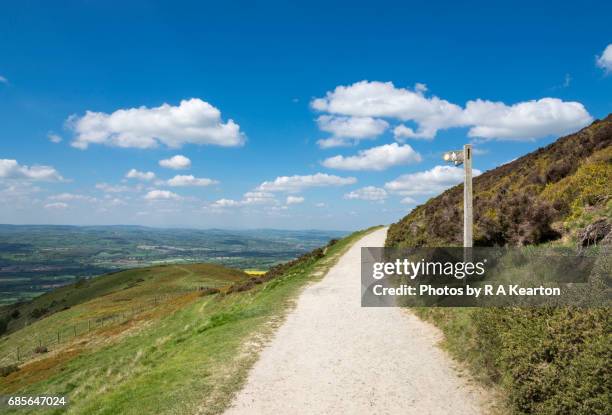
36,259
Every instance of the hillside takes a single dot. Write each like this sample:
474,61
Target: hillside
543,360
542,196
132,288
167,339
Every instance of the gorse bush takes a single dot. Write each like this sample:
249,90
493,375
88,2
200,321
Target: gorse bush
550,360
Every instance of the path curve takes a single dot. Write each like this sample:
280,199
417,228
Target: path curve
331,356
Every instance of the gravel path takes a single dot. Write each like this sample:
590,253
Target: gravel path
332,356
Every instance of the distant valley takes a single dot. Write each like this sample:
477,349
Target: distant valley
37,258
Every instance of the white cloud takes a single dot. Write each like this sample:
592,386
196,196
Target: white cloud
54,138
109,188
367,193
248,199
140,175
401,132
11,169
161,195
3,80
486,119
56,205
605,60
190,180
258,198
193,121
376,158
531,119
298,183
349,130
66,197
427,182
223,203
294,200
177,162
384,100
408,201
320,205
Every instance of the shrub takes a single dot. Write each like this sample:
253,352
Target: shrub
38,312
550,360
41,349
15,314
7,370
3,326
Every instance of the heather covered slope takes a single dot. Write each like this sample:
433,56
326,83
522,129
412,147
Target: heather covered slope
539,197
544,360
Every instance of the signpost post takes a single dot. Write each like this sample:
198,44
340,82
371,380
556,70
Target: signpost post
464,157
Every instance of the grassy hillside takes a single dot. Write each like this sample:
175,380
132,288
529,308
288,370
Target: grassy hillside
539,197
125,290
188,352
545,360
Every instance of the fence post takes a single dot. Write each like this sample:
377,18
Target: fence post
88,325
18,355
58,337
74,327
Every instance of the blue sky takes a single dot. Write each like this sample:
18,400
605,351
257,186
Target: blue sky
339,110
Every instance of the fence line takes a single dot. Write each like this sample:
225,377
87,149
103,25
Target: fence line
41,343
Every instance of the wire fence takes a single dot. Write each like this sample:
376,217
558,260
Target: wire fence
44,342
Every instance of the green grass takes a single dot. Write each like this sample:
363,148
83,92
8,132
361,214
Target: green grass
141,283
190,355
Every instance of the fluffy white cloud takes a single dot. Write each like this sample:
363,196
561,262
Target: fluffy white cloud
531,119
177,162
367,193
140,175
298,183
11,169
193,121
190,180
294,200
376,158
54,138
605,60
56,205
486,119
384,100
161,195
427,182
349,130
